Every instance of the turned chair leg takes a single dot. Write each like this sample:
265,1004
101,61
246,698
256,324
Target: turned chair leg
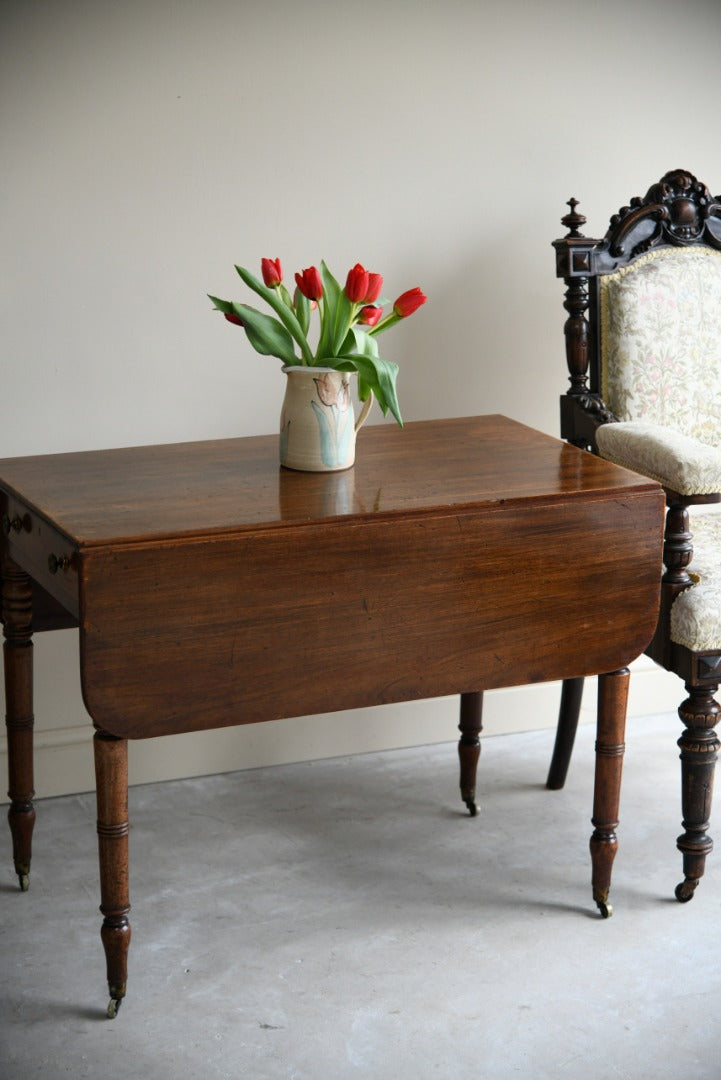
699,746
568,713
18,657
469,746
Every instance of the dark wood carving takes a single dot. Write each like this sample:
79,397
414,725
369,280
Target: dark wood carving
583,408
677,546
576,302
677,211
699,747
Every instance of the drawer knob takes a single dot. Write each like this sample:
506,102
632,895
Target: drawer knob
11,523
58,562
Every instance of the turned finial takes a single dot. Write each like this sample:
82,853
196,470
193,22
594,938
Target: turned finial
573,221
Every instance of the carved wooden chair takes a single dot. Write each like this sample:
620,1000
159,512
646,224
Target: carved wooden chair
643,345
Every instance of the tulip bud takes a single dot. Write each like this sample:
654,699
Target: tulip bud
370,315
232,317
272,273
310,284
408,302
375,284
356,285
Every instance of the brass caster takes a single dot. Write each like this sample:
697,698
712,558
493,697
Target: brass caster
24,880
113,1006
605,908
684,892
471,804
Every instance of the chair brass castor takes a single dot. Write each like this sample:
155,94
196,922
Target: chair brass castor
605,908
472,807
24,880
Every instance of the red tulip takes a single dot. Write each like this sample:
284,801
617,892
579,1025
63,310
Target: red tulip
232,317
375,284
356,285
408,302
369,315
310,284
272,273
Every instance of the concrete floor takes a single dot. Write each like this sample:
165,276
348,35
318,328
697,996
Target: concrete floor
346,919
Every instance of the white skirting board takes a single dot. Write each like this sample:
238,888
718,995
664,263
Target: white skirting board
63,730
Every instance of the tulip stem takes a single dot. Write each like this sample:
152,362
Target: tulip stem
390,320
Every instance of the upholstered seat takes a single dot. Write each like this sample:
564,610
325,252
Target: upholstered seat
696,612
643,345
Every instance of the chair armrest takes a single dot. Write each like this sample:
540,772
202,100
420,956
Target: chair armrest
678,462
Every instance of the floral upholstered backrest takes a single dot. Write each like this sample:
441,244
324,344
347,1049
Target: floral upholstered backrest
661,341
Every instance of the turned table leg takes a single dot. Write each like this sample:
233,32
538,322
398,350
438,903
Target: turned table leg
111,782
18,657
469,747
610,747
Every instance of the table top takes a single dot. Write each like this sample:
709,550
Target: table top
213,587
234,485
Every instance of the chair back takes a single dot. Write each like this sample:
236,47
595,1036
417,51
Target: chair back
643,338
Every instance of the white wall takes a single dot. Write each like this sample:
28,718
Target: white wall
149,144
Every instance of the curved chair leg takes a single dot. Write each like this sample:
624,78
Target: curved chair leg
699,746
571,694
469,746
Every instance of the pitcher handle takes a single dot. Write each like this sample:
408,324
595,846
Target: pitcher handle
363,414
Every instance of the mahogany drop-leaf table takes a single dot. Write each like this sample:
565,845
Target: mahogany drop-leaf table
211,588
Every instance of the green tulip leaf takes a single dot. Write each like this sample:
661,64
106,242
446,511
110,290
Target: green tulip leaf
337,310
331,288
284,313
359,341
331,297
377,375
285,296
222,305
265,334
364,390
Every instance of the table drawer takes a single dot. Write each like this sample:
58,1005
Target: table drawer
42,551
